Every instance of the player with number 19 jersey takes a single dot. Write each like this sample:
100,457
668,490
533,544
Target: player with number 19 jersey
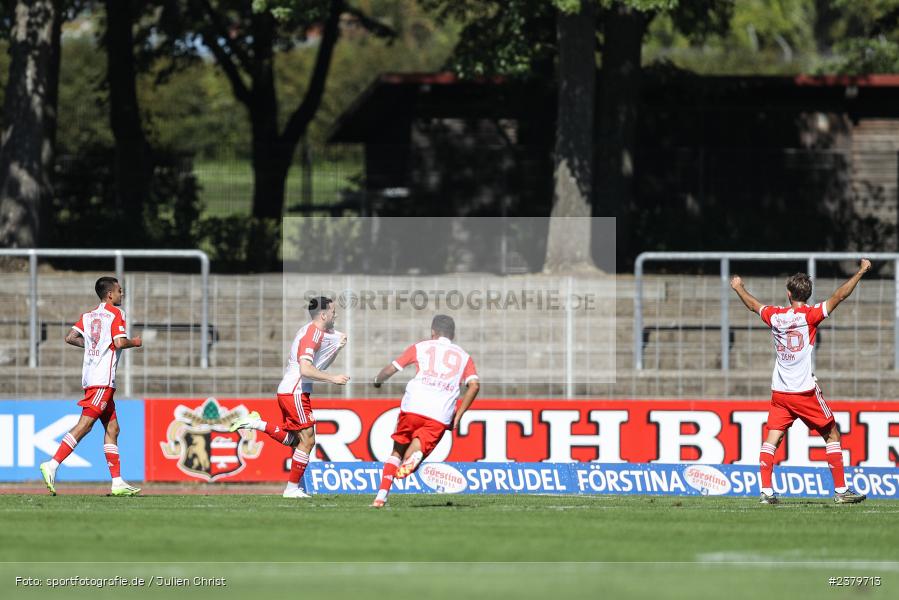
428,409
442,367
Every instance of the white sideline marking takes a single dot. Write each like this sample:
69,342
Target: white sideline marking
783,560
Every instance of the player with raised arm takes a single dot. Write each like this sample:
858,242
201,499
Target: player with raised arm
428,408
102,333
794,390
314,348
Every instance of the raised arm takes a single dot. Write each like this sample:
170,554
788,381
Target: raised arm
847,288
748,299
74,338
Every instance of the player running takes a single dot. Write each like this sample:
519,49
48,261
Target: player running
794,390
314,348
428,408
102,334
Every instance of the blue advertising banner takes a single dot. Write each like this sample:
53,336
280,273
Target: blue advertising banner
30,432
596,478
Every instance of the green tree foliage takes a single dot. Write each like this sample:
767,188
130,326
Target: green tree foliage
191,109
86,195
515,38
85,200
759,37
523,39
866,35
187,105
770,37
83,101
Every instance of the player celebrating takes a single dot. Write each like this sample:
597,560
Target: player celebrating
794,389
314,348
428,408
101,332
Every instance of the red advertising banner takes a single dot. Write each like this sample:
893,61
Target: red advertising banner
188,439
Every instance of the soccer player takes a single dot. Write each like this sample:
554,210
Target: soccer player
314,348
428,408
794,388
102,334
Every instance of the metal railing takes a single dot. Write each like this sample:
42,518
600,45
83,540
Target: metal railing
725,258
119,255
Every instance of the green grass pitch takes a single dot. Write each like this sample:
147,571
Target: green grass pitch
439,546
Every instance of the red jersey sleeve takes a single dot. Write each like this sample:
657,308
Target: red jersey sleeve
470,372
79,325
118,325
817,313
765,312
310,343
408,357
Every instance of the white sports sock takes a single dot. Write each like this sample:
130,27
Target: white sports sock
291,486
841,490
118,481
382,495
767,491
53,464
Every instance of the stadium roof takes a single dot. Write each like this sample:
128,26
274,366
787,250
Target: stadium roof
396,98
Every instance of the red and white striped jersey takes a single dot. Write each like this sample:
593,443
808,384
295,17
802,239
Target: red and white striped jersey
794,331
99,328
312,344
442,367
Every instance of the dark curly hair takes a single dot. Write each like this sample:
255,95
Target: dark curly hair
800,287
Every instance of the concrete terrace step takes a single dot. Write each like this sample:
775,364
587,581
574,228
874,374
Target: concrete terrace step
687,359
254,330
627,384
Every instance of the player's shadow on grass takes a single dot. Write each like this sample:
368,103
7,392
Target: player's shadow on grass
444,504
798,503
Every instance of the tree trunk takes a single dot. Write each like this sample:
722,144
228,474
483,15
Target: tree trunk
619,100
568,247
272,152
133,157
27,143
269,182
268,194
270,158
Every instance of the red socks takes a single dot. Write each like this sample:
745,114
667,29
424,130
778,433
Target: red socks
835,460
766,463
279,435
112,459
390,468
65,448
298,466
